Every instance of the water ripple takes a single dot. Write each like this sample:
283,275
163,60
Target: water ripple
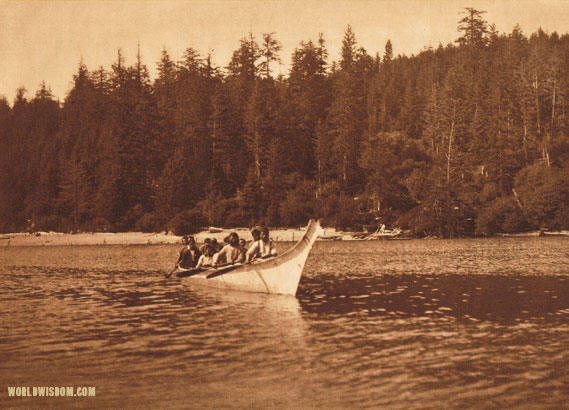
394,324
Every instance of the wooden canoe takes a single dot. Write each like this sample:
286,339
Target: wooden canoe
278,275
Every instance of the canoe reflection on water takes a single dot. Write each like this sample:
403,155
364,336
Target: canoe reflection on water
281,304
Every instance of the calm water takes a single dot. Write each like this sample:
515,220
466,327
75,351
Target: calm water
389,324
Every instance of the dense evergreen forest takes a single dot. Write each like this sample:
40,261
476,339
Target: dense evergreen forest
466,139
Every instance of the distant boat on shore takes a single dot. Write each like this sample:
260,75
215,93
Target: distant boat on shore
381,233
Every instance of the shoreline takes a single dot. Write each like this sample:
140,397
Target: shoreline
136,238
141,238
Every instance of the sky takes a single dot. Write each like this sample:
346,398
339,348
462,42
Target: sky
46,40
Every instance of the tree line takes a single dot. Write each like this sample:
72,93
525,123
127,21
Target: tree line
465,139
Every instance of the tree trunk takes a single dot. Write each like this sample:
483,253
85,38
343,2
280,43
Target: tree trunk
257,156
536,87
449,152
553,107
525,134
319,191
517,199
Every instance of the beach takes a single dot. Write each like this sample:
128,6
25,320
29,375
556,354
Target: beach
137,238
142,238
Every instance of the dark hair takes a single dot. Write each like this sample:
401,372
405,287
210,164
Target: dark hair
255,233
233,239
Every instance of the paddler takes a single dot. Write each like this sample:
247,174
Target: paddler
263,248
206,259
189,255
243,250
230,253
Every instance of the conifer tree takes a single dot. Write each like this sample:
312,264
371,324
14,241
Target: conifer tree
347,115
269,50
306,104
41,167
473,27
165,90
76,190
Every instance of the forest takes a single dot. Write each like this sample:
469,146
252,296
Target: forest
471,138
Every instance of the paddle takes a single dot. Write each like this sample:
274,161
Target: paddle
223,270
216,271
190,272
173,270
229,268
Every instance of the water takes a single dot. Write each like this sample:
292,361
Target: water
481,323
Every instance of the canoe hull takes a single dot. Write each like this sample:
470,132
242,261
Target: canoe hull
279,275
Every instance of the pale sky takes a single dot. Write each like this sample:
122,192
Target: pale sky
45,40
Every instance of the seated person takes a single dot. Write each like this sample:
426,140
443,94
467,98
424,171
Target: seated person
189,255
215,245
243,250
230,253
206,259
263,248
205,245
256,234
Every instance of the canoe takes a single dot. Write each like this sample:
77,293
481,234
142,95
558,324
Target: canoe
278,275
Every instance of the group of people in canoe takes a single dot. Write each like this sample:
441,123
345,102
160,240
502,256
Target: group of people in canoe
235,250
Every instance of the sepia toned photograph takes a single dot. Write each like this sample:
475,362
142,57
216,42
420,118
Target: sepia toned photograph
284,204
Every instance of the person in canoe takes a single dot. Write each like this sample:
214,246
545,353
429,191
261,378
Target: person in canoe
256,234
230,253
206,260
243,250
215,245
206,243
263,248
189,255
